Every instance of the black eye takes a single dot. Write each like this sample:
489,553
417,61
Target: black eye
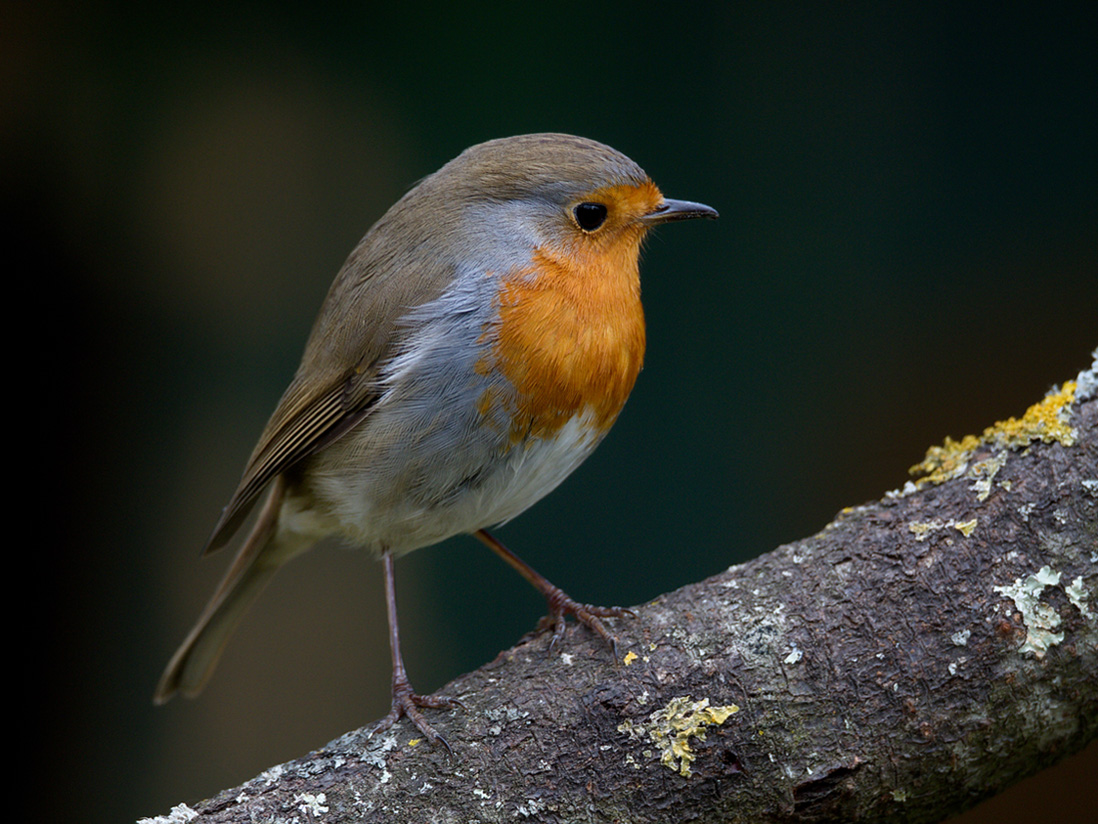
590,216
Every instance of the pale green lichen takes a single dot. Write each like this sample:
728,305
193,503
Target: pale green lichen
1041,620
984,472
310,804
532,807
180,814
672,727
1078,595
1087,382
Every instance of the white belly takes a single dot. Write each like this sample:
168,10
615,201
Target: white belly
368,509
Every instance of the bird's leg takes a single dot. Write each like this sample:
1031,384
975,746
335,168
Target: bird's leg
560,605
405,701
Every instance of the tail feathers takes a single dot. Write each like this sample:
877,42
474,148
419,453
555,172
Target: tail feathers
262,553
194,662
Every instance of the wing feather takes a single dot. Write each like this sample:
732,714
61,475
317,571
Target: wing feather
401,263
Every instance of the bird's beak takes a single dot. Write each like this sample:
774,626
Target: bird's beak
671,210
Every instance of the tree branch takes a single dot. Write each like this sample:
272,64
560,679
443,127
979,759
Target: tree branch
919,654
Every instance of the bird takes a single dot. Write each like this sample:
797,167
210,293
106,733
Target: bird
475,347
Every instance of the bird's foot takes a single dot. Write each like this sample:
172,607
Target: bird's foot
561,606
407,703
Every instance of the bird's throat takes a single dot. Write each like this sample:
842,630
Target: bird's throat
571,337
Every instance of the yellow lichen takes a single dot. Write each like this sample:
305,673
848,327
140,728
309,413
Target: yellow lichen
672,727
629,658
1047,421
945,462
965,528
922,529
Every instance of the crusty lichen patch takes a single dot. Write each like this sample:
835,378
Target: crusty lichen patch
1041,619
180,814
672,727
1078,595
984,472
1048,421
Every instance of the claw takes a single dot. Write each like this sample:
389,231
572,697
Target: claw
560,606
406,703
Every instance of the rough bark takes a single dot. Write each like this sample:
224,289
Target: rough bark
920,653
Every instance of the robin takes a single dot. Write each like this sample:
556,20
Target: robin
476,346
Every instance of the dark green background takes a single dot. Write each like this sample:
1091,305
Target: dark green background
906,250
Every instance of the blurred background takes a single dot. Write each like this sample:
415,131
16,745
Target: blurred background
906,250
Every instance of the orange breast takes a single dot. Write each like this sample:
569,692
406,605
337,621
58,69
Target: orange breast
571,335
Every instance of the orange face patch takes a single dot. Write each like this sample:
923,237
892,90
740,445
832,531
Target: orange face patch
628,201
